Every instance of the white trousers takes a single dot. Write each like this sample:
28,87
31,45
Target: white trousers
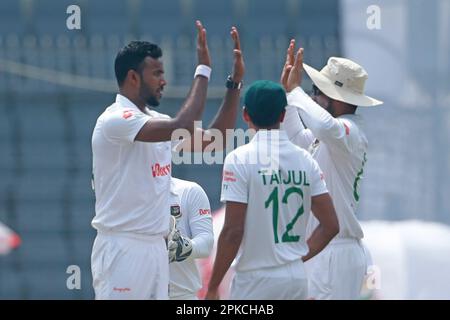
129,266
338,271
286,282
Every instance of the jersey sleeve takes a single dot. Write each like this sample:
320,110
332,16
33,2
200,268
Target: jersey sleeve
234,180
200,222
295,130
122,126
318,185
337,133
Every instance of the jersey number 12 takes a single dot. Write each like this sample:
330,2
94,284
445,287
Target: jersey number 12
273,197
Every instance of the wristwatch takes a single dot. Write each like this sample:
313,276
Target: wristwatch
230,84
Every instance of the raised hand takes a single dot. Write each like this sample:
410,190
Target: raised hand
238,65
294,79
291,76
202,45
288,64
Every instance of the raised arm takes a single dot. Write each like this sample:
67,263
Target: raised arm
227,113
156,130
292,122
322,125
226,116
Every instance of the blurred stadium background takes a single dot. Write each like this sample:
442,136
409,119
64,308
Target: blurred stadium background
54,83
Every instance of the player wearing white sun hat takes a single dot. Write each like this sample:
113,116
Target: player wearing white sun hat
327,126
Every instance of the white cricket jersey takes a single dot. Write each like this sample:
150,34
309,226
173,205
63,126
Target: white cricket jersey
131,178
340,147
190,205
278,196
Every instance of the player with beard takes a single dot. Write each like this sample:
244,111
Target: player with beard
131,147
327,125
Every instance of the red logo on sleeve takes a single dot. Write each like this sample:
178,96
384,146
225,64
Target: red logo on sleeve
347,129
228,176
127,114
204,211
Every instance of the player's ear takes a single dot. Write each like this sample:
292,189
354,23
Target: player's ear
245,115
133,77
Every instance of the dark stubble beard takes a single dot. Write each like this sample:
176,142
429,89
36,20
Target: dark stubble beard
146,95
149,99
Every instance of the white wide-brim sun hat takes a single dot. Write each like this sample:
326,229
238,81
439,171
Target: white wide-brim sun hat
343,80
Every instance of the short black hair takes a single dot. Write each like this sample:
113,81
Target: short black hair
132,55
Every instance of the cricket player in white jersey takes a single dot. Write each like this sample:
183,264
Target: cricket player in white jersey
328,127
131,147
268,207
189,205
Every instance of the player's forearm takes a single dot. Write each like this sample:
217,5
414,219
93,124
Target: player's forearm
317,119
194,104
226,116
227,248
319,239
202,245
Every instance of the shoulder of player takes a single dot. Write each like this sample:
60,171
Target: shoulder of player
185,187
303,155
191,195
303,152
156,114
238,154
351,124
119,112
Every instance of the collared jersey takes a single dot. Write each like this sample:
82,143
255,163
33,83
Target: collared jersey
340,147
276,179
189,204
131,178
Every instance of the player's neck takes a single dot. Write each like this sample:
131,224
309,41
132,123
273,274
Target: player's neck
274,127
135,99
